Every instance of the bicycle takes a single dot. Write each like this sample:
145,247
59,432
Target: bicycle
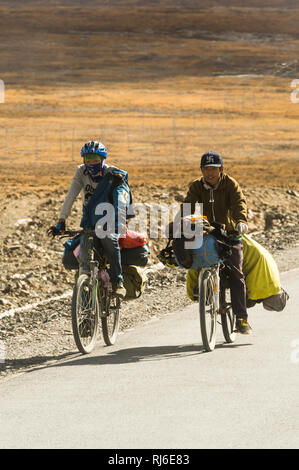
214,300
93,298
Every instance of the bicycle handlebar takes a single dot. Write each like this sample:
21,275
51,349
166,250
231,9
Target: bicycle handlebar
231,234
73,233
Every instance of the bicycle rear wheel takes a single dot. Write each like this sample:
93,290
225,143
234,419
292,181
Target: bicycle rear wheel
207,311
85,314
110,306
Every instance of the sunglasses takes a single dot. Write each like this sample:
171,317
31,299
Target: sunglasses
93,158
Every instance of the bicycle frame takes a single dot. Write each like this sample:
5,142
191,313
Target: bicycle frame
95,267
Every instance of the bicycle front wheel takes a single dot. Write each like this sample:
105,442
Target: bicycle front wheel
110,306
207,310
228,320
85,314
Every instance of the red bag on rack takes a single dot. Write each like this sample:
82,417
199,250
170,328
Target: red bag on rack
132,239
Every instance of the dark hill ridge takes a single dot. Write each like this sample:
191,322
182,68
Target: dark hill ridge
57,42
159,3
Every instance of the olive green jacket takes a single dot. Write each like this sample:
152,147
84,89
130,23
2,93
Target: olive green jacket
225,204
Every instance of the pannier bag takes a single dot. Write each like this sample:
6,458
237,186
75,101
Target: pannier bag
183,256
137,256
69,259
260,270
208,250
192,284
276,302
207,254
134,281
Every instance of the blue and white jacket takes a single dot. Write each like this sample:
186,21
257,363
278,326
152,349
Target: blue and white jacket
112,188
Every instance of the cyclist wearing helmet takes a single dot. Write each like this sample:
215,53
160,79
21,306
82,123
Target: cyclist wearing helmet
100,183
223,202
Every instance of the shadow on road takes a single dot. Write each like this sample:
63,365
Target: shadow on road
29,364
144,353
120,356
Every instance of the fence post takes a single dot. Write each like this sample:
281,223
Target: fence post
36,148
174,125
73,134
60,140
103,136
128,139
6,143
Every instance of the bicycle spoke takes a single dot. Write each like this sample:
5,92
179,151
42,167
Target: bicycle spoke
227,318
110,318
84,315
207,310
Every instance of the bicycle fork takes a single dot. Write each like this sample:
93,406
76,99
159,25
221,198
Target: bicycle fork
215,281
216,288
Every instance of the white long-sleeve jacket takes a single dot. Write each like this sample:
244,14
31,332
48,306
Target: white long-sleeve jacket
82,181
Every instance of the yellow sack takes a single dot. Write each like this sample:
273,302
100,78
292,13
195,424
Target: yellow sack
259,268
191,283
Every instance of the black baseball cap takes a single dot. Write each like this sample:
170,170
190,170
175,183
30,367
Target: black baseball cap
211,159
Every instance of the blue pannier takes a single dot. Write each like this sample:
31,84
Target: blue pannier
207,254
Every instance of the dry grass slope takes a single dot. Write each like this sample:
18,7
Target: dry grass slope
158,85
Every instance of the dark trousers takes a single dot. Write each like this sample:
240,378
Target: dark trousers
111,249
236,280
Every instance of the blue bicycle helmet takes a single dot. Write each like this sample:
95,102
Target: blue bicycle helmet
94,147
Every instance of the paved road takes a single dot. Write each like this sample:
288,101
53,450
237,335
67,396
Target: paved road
157,389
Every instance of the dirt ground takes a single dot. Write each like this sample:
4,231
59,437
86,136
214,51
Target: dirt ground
159,83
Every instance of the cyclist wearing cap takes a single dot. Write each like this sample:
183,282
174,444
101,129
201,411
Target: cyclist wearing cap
224,202
100,183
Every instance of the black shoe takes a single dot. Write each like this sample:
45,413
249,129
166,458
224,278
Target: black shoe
242,326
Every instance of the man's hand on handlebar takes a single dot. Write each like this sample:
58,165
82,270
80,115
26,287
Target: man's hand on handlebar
57,229
242,228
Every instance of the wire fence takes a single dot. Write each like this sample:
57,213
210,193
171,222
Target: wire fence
217,123
139,136
148,133
144,135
